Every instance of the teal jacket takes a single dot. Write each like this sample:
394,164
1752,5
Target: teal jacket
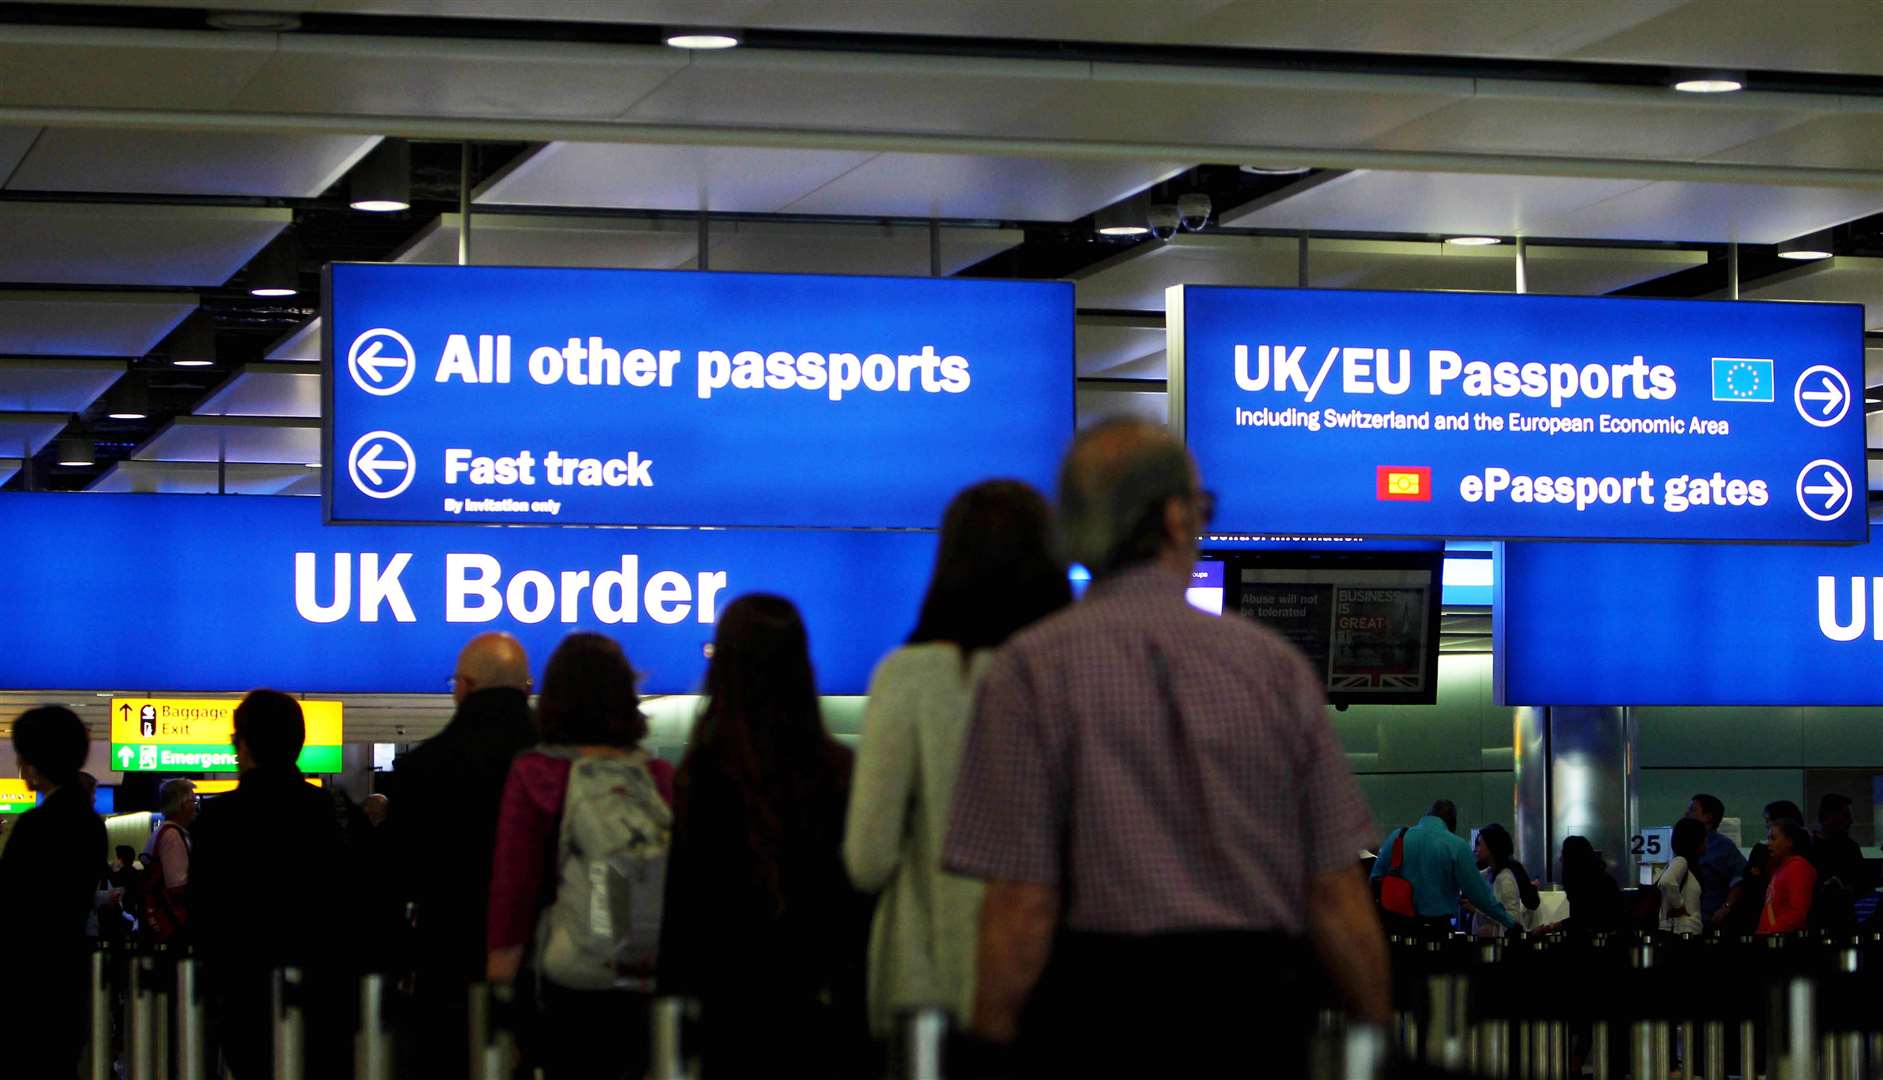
1441,867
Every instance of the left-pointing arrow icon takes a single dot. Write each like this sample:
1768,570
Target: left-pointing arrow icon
372,464
377,454
376,364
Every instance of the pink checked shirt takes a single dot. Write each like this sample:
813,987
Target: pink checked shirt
1164,768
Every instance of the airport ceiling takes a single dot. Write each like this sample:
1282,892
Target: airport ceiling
159,161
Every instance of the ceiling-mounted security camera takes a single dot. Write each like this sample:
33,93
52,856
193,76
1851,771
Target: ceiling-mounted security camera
1164,221
1193,211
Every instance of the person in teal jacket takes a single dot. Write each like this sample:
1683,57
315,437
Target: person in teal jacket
1441,867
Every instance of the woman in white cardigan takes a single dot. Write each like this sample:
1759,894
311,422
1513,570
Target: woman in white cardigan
995,573
1509,881
1678,884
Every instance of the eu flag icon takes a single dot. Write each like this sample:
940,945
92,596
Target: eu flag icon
1736,378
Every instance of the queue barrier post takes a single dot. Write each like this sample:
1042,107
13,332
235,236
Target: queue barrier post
98,1058
290,1043
494,1044
140,1040
1715,1056
477,1016
372,1048
192,1026
669,1056
925,1034
1802,1022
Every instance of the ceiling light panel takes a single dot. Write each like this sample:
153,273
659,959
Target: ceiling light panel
460,77
187,163
649,177
102,244
49,323
988,188
35,385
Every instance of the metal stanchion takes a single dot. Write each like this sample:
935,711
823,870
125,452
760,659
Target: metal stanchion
140,1042
290,1024
494,1055
1598,1051
668,1044
477,1015
1362,1053
1715,1035
1850,1055
98,1048
372,1049
1641,1044
925,1032
1444,1045
192,1040
1559,1050
164,969
1801,1016
1748,1048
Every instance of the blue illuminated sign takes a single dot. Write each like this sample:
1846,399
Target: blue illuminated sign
558,396
1504,416
194,593
1680,624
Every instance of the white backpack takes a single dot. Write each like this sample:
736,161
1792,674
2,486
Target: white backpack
602,932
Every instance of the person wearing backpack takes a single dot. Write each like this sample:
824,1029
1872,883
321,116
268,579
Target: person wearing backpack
579,870
763,927
1440,868
163,883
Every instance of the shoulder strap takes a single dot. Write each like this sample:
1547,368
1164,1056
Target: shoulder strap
1399,849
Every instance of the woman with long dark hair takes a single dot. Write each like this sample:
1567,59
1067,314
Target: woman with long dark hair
995,573
581,841
1509,882
760,924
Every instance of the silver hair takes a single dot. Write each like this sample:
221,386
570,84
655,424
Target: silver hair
1112,487
174,793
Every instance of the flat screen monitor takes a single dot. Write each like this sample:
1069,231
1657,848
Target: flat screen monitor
1368,622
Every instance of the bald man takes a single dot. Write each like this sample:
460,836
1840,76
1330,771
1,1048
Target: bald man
444,824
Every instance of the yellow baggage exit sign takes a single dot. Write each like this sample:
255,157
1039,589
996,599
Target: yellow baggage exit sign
16,797
194,735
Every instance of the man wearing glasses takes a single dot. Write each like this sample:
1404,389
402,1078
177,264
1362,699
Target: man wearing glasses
1168,828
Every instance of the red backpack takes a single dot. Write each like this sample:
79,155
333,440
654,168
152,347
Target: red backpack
1395,890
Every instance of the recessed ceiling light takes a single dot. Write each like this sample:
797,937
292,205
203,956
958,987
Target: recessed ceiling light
273,291
1124,230
74,453
1709,86
382,182
128,416
703,39
1473,241
192,363
1277,170
311,464
1813,245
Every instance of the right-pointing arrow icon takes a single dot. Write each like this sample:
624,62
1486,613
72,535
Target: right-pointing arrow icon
1822,395
1831,396
1832,489
1824,490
